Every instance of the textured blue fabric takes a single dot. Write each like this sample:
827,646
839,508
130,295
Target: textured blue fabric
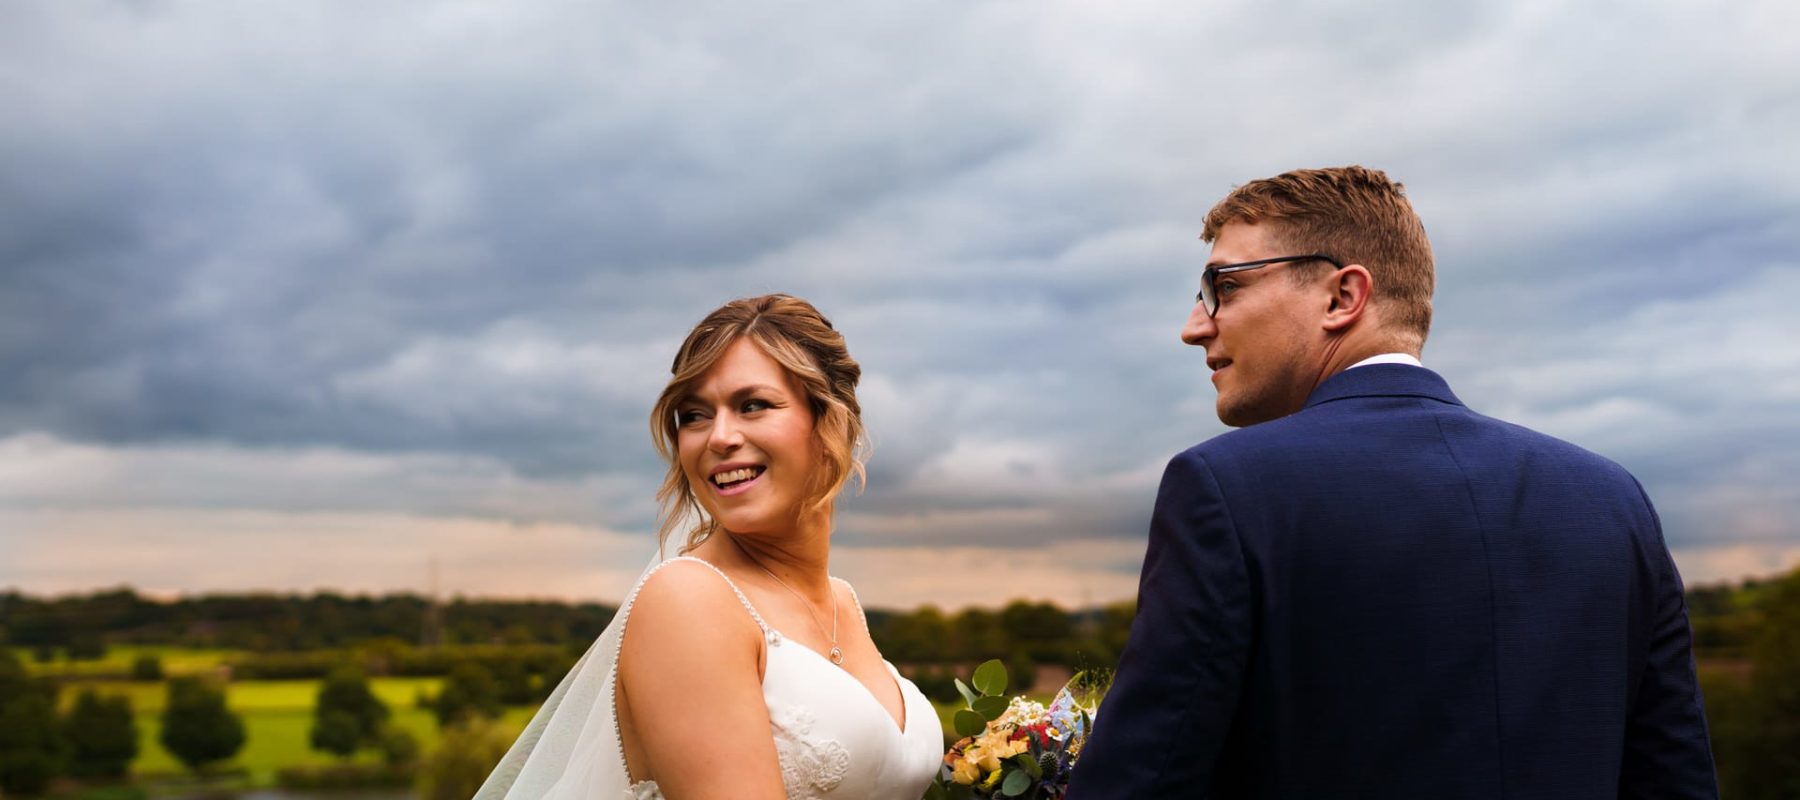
1387,595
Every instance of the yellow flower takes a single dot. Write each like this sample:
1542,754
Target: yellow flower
964,772
987,753
993,779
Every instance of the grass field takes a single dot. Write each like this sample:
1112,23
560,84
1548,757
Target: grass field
278,718
278,715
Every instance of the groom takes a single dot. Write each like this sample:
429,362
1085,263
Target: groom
1371,590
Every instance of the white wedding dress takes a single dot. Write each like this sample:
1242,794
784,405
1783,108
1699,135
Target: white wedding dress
832,737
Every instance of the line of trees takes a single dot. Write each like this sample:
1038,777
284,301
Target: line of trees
96,739
80,626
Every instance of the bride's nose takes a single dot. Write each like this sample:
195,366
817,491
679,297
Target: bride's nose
725,435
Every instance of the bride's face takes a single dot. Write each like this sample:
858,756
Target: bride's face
746,442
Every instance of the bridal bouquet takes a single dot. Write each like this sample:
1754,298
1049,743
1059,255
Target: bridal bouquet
1018,747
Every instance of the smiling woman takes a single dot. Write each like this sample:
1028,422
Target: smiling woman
743,675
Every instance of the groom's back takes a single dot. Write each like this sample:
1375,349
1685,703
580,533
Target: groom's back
1443,605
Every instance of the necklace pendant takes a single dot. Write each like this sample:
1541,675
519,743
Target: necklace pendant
837,656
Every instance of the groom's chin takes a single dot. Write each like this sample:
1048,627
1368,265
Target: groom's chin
1243,415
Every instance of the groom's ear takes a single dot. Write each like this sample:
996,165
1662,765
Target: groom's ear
1352,287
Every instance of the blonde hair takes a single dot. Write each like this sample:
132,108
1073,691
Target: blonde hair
1353,214
793,333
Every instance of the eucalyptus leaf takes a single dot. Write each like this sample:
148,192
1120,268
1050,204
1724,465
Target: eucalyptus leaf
990,708
968,723
936,792
1015,784
990,678
1030,765
967,693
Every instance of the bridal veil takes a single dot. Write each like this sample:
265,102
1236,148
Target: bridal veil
571,747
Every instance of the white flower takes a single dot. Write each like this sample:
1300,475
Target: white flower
1026,712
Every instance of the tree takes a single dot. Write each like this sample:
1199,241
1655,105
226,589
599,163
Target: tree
470,691
336,732
101,736
468,752
1774,752
1755,723
86,647
146,668
512,681
398,747
347,715
32,750
197,727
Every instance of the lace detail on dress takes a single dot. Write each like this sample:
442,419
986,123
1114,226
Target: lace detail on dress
810,766
644,790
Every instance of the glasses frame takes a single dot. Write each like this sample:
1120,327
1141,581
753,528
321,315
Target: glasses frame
1208,296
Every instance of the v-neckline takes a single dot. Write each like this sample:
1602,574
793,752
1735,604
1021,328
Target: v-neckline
901,726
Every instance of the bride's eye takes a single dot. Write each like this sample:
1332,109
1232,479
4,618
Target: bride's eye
689,416
755,404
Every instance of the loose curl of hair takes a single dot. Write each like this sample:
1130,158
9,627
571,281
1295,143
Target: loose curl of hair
793,333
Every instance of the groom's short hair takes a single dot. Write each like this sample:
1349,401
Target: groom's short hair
1353,214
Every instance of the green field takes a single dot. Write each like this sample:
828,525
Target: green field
277,721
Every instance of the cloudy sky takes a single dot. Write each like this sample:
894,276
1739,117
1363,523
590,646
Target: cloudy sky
312,295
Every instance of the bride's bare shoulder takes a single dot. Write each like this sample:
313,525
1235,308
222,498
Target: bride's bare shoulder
686,606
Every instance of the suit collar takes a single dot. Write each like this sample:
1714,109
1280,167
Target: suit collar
1383,380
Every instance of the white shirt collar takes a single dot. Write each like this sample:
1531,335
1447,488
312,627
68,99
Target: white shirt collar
1388,358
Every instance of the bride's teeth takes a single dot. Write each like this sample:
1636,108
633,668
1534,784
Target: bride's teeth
740,474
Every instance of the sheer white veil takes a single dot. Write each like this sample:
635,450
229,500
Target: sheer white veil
571,747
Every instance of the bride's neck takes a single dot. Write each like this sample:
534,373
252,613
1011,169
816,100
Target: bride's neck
801,557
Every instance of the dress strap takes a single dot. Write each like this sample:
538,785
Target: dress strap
857,600
767,631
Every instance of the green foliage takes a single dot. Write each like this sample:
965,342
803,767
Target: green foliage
468,752
512,681
1755,725
268,622
1020,663
146,668
399,747
197,728
347,715
86,647
935,683
990,678
32,750
102,739
336,732
470,691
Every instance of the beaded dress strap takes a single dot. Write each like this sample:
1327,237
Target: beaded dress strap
734,590
857,600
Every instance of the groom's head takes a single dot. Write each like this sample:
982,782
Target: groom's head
1311,271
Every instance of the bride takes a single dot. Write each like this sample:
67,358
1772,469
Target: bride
740,668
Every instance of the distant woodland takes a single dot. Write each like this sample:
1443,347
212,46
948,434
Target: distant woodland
1746,635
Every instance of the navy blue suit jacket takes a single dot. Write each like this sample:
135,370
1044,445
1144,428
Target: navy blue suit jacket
1387,595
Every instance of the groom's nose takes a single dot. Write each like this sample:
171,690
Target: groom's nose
1200,327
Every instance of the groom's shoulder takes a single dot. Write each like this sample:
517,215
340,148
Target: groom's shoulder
1328,435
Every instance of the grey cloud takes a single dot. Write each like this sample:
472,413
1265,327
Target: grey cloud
475,232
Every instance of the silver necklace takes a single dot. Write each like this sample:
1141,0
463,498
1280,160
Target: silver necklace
837,654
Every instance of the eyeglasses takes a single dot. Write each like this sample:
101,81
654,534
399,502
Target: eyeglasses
1209,280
